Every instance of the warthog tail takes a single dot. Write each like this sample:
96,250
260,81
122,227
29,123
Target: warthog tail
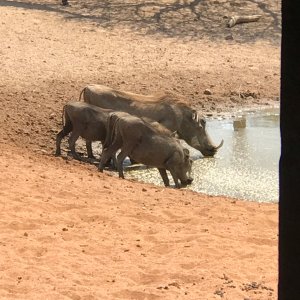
81,93
110,129
64,119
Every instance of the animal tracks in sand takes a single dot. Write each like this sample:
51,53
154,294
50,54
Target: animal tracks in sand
128,294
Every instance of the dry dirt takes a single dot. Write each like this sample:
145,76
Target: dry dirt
68,232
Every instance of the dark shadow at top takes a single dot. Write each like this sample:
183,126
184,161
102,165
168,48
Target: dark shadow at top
28,5
183,19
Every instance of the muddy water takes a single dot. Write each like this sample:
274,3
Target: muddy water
246,167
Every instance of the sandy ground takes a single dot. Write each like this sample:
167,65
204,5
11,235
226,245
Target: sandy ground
68,232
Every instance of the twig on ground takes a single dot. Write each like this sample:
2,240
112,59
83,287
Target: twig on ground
242,19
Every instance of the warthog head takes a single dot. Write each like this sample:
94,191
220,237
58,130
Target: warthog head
185,177
193,131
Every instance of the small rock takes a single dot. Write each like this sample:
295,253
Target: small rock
25,234
239,123
219,293
229,37
207,92
174,284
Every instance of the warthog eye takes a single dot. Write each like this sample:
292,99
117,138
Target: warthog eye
203,122
200,121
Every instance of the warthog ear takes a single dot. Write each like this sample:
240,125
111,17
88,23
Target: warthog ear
196,118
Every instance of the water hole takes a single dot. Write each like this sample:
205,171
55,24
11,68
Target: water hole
246,167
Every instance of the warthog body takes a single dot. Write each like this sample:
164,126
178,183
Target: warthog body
83,120
147,145
167,109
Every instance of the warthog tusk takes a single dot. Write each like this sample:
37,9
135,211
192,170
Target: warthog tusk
221,144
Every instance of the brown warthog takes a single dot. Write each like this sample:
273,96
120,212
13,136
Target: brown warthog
165,108
85,120
145,144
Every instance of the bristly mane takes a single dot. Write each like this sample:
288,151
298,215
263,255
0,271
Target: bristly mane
159,97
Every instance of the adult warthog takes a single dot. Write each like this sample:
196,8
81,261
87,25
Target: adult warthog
166,109
85,120
145,144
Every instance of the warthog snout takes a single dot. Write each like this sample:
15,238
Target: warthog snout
187,182
211,151
190,180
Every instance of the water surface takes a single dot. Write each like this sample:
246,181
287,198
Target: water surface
246,167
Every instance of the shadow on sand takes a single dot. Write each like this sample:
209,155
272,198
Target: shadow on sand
183,19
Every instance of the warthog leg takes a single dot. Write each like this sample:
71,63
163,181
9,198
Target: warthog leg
89,149
125,151
72,140
107,154
170,166
66,130
121,156
164,176
176,179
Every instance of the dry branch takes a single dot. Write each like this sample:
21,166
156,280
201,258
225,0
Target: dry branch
242,19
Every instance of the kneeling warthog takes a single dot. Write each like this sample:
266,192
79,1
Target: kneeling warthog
85,120
168,109
145,144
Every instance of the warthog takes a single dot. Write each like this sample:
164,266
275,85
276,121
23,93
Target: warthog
145,144
166,109
85,120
